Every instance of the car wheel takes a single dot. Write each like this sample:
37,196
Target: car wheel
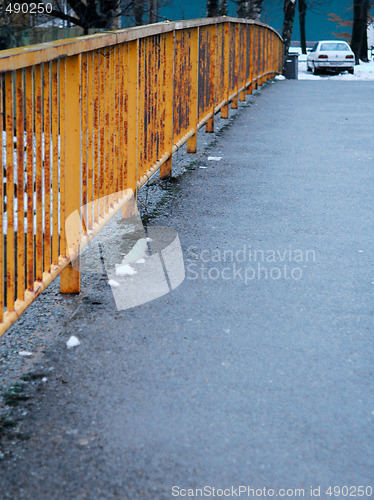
351,71
315,70
308,67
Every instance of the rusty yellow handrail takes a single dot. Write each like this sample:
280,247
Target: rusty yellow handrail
87,117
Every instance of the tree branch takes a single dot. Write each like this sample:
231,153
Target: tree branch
66,17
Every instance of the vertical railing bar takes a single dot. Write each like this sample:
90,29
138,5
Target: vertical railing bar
145,108
103,131
244,61
121,116
141,104
97,134
20,231
2,200
117,124
153,143
108,156
38,172
91,131
251,73
155,90
47,167
133,111
70,277
169,126
55,189
151,90
212,76
112,54
163,92
226,69
10,239
62,131
256,49
159,96
124,116
30,177
152,87
84,136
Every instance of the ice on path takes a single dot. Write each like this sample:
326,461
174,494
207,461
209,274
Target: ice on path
113,283
26,354
72,342
125,270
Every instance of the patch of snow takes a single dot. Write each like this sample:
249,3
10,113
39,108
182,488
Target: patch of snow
203,167
140,261
25,354
363,72
113,283
280,77
214,158
72,342
125,270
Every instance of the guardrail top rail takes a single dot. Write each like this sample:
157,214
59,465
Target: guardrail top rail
92,118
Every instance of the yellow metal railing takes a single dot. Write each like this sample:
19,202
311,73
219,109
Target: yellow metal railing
88,117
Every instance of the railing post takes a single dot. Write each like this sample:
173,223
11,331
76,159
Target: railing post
166,168
70,276
132,70
251,59
263,54
192,141
243,28
261,57
234,102
209,128
266,48
132,121
255,59
269,56
226,63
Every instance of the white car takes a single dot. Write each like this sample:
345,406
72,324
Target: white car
331,55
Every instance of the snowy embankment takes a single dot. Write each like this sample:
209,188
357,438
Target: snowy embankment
363,71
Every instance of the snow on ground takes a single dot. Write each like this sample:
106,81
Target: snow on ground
363,71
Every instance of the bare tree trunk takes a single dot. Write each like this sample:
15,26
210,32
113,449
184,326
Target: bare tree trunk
212,8
249,9
359,32
289,15
153,11
138,9
223,9
302,14
255,8
243,8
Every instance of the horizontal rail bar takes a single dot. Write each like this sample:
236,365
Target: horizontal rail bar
22,57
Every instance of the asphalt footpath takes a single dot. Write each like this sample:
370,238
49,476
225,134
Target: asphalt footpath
254,376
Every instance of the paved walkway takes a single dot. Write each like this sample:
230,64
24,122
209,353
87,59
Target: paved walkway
266,383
